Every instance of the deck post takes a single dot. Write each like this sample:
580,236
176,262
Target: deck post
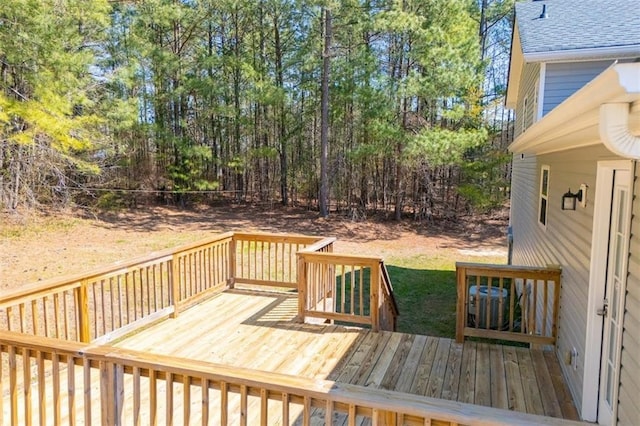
302,286
174,280
375,297
461,302
84,321
231,280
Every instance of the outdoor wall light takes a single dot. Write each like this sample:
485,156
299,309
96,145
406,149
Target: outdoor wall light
569,199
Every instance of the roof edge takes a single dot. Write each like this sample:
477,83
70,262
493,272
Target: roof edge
617,52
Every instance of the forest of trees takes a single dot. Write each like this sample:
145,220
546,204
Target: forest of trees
360,105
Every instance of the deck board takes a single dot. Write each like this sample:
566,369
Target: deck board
483,375
258,330
499,397
515,389
407,373
467,385
423,372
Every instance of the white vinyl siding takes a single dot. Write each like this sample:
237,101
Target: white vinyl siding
525,117
564,79
628,408
526,113
566,242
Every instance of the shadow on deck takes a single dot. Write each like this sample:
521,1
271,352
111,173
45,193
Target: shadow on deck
257,330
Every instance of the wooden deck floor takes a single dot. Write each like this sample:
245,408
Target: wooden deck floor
256,330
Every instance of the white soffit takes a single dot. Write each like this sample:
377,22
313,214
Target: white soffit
575,122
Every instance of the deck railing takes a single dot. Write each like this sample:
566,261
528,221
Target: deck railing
109,302
268,259
49,381
506,302
352,289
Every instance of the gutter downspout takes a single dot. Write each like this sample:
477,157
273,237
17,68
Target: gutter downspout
615,132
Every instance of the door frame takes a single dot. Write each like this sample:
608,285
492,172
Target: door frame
597,276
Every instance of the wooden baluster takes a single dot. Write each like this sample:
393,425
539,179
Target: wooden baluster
534,310
501,303
42,395
361,289
224,404
13,384
545,307
351,420
328,412
186,399
352,296
65,310
243,405
71,389
487,303
477,301
153,398
86,370
26,386
55,373
264,407
34,317
512,303
136,396
169,398
306,411
556,305
204,391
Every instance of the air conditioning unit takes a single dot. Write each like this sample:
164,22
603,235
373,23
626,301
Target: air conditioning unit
490,299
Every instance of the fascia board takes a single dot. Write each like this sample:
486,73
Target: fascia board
616,52
516,64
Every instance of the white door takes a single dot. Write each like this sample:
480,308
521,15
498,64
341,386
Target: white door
613,302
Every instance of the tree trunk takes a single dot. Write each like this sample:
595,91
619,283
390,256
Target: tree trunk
284,187
324,127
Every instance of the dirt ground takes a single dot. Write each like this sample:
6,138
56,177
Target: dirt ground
34,248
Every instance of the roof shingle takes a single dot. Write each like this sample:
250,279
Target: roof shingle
578,24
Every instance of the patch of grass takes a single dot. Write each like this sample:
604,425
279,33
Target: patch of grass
35,226
425,289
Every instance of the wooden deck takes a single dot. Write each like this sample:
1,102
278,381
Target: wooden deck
257,331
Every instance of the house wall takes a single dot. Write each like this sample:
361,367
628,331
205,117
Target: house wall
528,87
628,408
564,79
565,241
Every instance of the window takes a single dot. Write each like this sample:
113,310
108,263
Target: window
544,195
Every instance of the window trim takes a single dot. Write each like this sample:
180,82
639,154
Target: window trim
543,198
